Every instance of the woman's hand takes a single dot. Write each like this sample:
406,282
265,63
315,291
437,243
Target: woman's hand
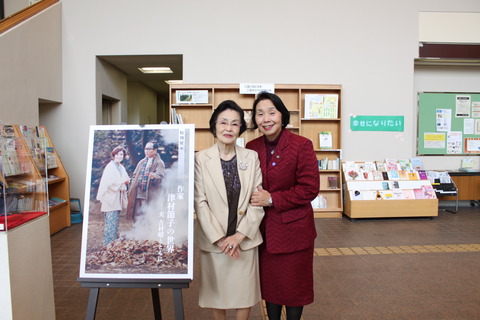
260,198
231,244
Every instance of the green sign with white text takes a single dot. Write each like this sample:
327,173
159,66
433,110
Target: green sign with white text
377,123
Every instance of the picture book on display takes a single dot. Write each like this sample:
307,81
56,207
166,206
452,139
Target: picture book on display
417,163
319,106
391,165
326,141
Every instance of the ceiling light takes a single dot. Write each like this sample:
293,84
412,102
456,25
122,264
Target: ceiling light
155,70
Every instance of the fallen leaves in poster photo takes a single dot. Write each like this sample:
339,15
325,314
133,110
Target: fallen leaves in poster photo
145,255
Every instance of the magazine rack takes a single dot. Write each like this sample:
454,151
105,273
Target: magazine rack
26,279
369,198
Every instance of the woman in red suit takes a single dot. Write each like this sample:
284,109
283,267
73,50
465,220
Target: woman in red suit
290,182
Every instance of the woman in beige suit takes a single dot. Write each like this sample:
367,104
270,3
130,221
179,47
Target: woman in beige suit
227,229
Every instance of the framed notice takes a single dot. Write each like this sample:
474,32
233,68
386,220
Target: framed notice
138,211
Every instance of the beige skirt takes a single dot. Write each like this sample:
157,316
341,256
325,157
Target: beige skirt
228,284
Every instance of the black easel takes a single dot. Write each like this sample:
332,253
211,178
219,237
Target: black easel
175,284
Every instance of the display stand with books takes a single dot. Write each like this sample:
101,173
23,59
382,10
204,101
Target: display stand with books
49,164
315,113
385,189
26,280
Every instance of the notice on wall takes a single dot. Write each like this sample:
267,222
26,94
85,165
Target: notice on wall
444,119
434,140
462,106
454,142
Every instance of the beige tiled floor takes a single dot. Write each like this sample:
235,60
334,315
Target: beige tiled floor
365,269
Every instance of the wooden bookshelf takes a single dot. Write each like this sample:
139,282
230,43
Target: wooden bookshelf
293,95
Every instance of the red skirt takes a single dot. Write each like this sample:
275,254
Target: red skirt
287,278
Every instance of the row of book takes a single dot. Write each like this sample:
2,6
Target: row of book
328,164
15,155
388,164
26,204
386,190
431,175
425,192
42,152
176,118
320,202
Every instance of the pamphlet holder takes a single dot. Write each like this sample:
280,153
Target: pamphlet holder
175,284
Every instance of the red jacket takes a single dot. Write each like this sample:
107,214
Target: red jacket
293,183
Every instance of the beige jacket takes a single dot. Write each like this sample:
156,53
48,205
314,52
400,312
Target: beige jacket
211,206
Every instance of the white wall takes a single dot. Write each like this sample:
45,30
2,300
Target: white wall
113,83
30,67
368,46
142,104
461,27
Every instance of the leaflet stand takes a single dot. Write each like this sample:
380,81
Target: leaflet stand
175,284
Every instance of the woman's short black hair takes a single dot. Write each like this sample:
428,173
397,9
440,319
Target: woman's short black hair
225,105
277,102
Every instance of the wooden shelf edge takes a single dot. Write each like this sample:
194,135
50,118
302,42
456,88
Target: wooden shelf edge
327,214
57,206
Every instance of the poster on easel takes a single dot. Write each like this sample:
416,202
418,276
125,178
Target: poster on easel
138,209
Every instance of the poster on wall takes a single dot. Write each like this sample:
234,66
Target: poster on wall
138,209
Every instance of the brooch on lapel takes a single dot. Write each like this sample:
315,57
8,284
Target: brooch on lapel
242,166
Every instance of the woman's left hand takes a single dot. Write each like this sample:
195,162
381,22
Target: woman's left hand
231,244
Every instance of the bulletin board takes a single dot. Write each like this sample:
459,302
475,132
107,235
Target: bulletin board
448,123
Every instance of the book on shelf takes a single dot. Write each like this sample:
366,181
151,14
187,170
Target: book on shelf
413,175
328,164
386,194
7,131
349,165
405,164
320,202
369,166
417,163
321,106
418,192
393,175
429,192
402,175
398,194
332,182
352,175
391,164
366,175
377,175
356,195
408,194
191,96
381,165
326,141
422,175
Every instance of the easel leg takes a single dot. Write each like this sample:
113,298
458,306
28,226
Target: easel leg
157,309
92,303
178,303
